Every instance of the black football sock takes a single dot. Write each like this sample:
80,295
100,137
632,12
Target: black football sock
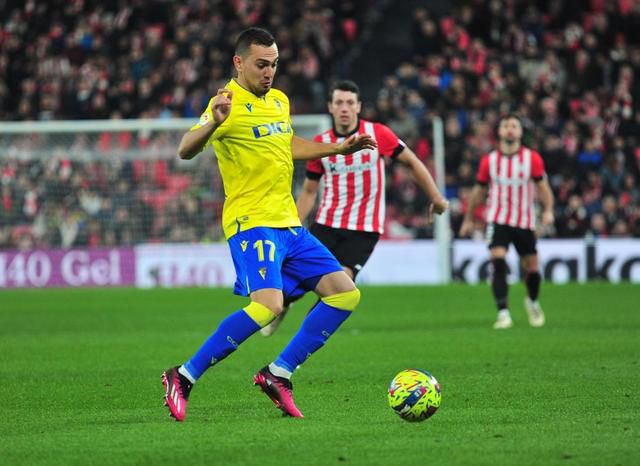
499,283
532,280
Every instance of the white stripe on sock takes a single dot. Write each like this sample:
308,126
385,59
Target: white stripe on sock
183,370
279,371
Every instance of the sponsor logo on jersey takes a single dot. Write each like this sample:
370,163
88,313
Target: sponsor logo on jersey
243,245
249,106
263,272
341,167
269,129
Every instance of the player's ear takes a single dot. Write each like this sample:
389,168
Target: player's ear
237,62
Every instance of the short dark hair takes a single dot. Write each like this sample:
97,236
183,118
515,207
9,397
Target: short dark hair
510,116
344,85
250,36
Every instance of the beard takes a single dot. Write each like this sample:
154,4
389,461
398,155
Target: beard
510,139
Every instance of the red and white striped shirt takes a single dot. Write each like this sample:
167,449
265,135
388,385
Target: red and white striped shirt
353,195
510,179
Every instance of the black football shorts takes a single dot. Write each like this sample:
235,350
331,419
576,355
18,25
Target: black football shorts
351,248
502,235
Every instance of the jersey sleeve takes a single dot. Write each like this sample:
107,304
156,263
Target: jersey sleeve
389,145
206,117
483,176
315,170
537,166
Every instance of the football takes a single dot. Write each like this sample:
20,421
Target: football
415,395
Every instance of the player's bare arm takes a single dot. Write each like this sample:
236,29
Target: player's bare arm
478,193
303,149
424,179
545,195
307,198
194,141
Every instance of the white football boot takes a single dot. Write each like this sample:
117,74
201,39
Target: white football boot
534,311
504,320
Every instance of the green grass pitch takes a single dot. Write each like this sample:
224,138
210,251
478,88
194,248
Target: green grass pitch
80,380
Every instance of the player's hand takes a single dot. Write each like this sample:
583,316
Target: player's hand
221,105
356,143
467,228
548,218
438,206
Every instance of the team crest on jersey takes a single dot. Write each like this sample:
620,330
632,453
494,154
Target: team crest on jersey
263,272
249,106
204,119
243,245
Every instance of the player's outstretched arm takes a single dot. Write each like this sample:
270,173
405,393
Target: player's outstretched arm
546,199
303,149
194,141
307,198
478,193
424,179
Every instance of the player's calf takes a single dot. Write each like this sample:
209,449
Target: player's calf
499,284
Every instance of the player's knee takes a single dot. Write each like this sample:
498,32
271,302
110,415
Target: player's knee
347,300
499,268
531,264
349,271
261,314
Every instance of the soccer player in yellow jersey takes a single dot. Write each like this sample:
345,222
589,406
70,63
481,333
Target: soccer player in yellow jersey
249,126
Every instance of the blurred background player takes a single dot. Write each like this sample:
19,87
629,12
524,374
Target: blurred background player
249,125
350,218
508,175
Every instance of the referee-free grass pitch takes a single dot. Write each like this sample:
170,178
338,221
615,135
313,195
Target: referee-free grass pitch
80,380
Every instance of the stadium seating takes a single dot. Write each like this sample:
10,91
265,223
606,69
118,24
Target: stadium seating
571,73
571,70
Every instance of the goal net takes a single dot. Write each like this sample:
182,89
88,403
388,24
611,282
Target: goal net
67,184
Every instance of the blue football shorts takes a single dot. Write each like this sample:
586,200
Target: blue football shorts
289,259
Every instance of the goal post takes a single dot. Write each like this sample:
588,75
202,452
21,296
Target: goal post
442,230
107,183
111,183
92,138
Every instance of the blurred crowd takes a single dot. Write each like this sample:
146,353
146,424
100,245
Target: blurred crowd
112,59
107,203
77,59
569,68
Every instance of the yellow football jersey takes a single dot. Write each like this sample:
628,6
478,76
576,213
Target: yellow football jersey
253,148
